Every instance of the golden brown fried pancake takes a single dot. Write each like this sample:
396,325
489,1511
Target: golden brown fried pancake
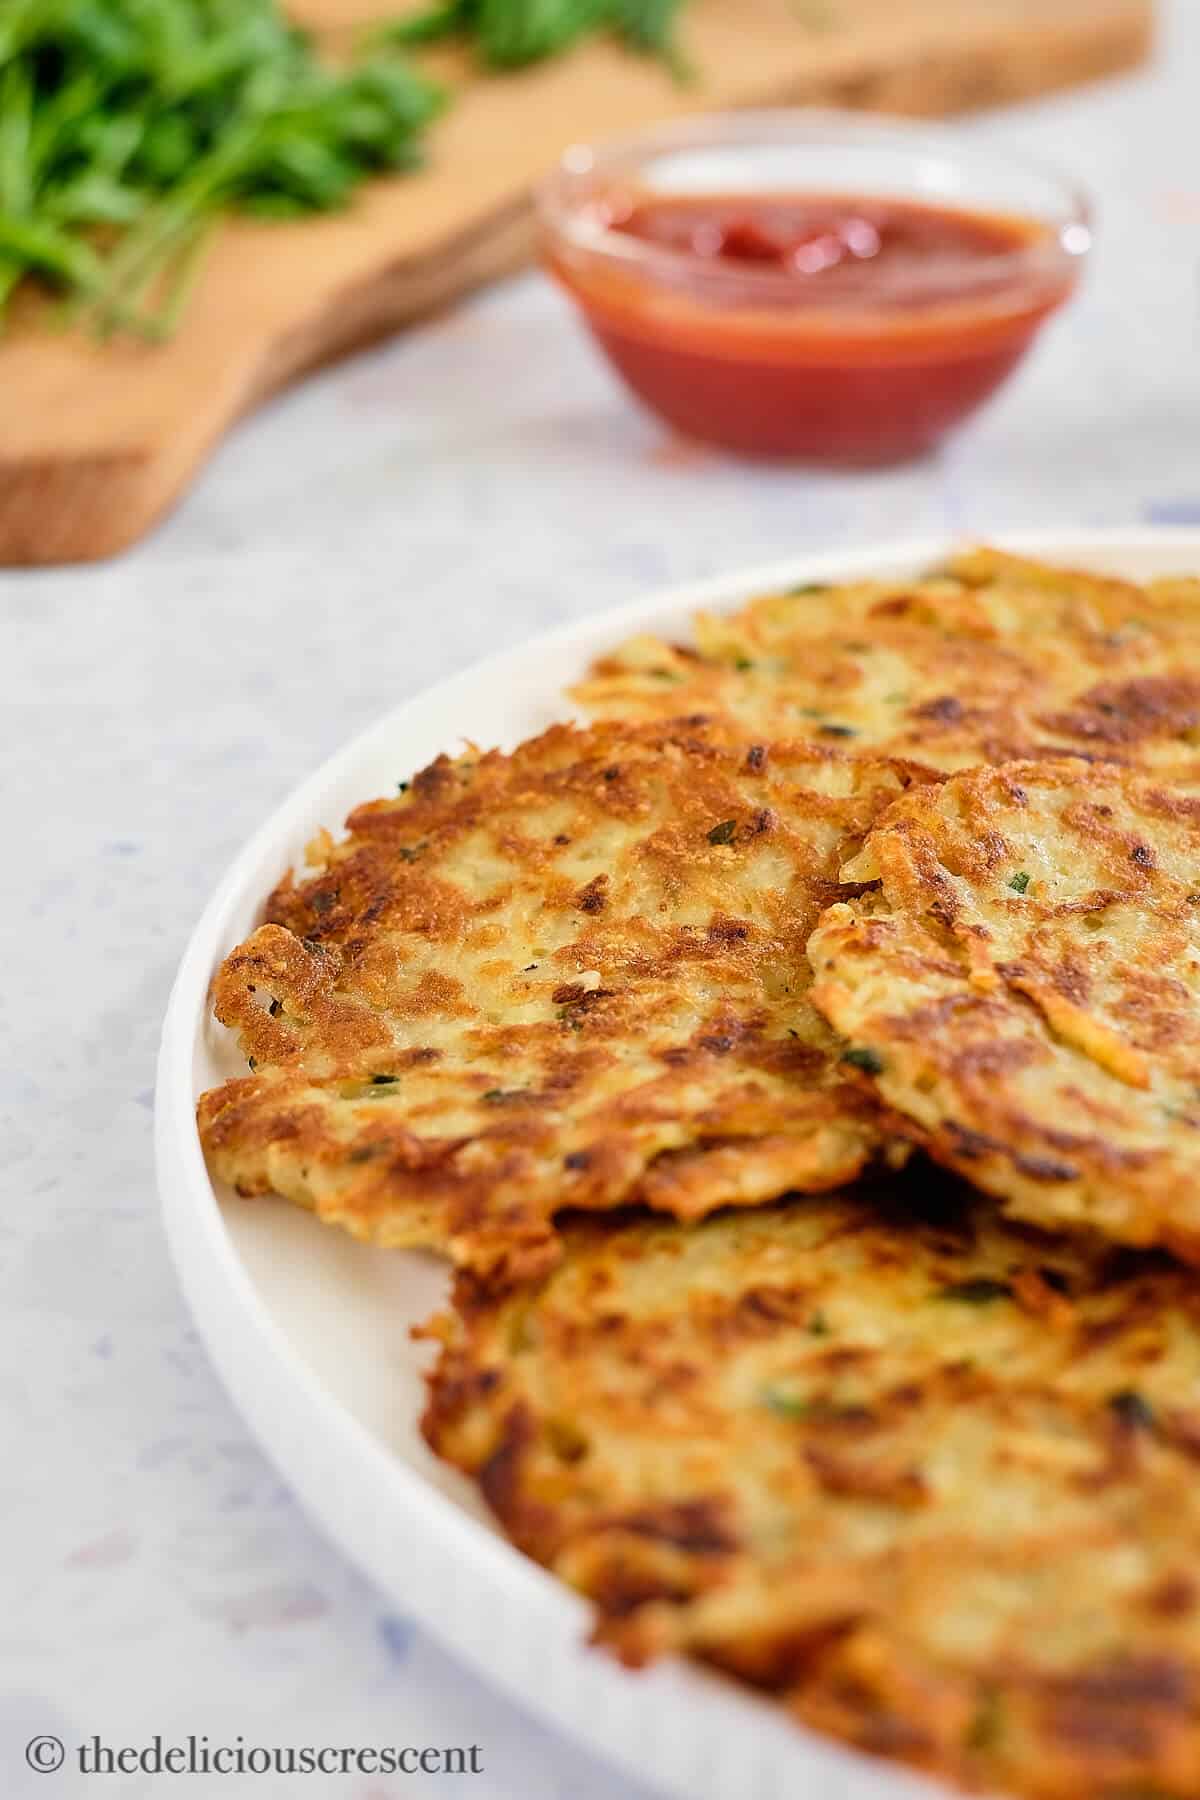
933,1479
1025,987
994,659
572,976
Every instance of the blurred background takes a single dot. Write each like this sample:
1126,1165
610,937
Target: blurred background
211,584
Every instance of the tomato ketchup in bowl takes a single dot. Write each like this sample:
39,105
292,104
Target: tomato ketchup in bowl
822,286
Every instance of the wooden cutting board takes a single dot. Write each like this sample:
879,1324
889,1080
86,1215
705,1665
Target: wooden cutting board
97,442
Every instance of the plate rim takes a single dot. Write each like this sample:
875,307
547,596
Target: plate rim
323,1450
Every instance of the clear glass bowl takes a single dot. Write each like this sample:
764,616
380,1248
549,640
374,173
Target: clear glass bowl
873,365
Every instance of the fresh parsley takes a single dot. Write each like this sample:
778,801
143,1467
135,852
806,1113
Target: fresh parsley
981,1290
128,126
509,34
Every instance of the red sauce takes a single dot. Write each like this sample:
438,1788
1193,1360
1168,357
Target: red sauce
885,322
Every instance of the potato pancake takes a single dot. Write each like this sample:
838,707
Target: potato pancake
1024,987
572,976
929,1477
994,659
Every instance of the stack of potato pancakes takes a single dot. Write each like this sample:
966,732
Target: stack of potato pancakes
801,1066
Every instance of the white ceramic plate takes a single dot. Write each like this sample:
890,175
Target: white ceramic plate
310,1330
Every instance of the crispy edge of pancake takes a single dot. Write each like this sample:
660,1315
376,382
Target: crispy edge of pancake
674,1570
946,1016
480,1193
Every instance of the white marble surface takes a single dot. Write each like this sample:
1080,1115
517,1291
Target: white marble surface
369,533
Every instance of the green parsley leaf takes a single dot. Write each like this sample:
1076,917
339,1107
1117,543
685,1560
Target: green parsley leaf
979,1291
1132,1409
783,1404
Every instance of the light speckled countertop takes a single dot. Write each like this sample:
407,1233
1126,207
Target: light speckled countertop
369,533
